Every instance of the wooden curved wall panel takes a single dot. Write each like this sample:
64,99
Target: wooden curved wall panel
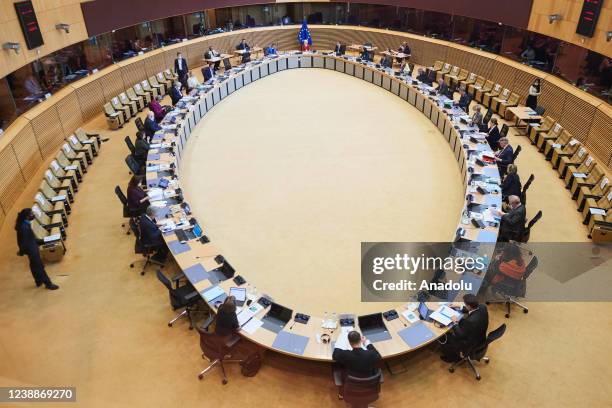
36,136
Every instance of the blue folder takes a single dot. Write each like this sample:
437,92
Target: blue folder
177,248
486,236
490,171
416,334
196,273
153,156
291,343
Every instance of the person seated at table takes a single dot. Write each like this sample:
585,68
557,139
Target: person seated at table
150,125
271,50
340,49
493,134
512,183
246,56
464,100
422,76
357,362
529,54
158,110
505,156
477,117
151,235
386,61
512,225
443,89
141,148
226,323
405,68
212,53
403,49
209,72
137,199
192,81
175,93
467,333
366,54
305,46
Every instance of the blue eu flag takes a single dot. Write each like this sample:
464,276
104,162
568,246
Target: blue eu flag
304,34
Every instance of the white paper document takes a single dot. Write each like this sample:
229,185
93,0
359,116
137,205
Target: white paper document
252,326
444,314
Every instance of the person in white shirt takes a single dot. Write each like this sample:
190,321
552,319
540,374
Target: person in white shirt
534,92
192,81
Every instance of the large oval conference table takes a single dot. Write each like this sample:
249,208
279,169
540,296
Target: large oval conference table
200,261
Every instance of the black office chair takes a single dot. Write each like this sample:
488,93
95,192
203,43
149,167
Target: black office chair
539,110
516,151
130,145
127,212
525,188
147,251
133,165
139,124
478,353
504,130
181,297
360,392
527,232
510,289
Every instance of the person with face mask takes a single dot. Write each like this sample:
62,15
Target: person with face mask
28,245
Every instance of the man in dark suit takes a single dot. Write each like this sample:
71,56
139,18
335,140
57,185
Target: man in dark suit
422,76
464,100
512,224
141,148
150,125
469,332
208,72
28,245
340,49
246,56
443,89
477,117
493,135
175,93
212,53
181,69
357,362
504,157
151,235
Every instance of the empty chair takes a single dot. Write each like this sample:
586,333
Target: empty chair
535,129
59,186
52,196
575,160
480,93
138,99
227,65
595,192
92,139
496,101
467,81
50,238
446,68
161,79
130,145
450,76
565,146
600,227
139,124
160,88
525,188
516,152
508,290
360,392
511,102
587,174
549,141
527,232
114,119
146,95
593,206
126,101
181,297
148,88
141,248
479,352
487,98
216,351
133,165
72,156
51,209
116,104
504,131
78,147
62,174
69,165
49,222
476,86
170,76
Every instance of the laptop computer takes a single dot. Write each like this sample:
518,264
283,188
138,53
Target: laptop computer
424,312
373,327
224,272
239,294
185,235
276,318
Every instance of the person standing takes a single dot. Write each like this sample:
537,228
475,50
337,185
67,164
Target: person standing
534,92
181,69
28,245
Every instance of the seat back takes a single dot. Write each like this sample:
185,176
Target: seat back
589,166
601,187
516,152
227,64
531,223
505,94
40,216
605,201
130,145
504,130
139,124
546,124
108,109
131,93
361,391
51,179
121,196
539,110
132,164
145,85
163,279
579,156
454,71
39,231
153,81
487,116
556,131
496,334
42,201
463,74
496,90
212,345
513,99
57,169
138,89
116,104
124,98
479,81
437,65
46,189
525,188
488,85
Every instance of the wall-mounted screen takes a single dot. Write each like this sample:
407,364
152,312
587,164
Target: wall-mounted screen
588,17
29,24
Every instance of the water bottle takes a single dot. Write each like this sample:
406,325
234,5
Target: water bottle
334,318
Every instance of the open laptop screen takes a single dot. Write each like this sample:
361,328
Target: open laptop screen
280,312
372,321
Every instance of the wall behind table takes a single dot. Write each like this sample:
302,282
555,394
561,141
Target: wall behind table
36,136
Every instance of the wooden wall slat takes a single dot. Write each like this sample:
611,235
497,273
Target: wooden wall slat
113,84
155,63
503,74
522,82
26,151
12,182
552,99
69,113
91,99
132,74
48,132
598,140
577,117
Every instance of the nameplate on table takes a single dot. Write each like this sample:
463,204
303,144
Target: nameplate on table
416,335
291,343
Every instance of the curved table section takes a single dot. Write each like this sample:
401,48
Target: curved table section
32,139
200,261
